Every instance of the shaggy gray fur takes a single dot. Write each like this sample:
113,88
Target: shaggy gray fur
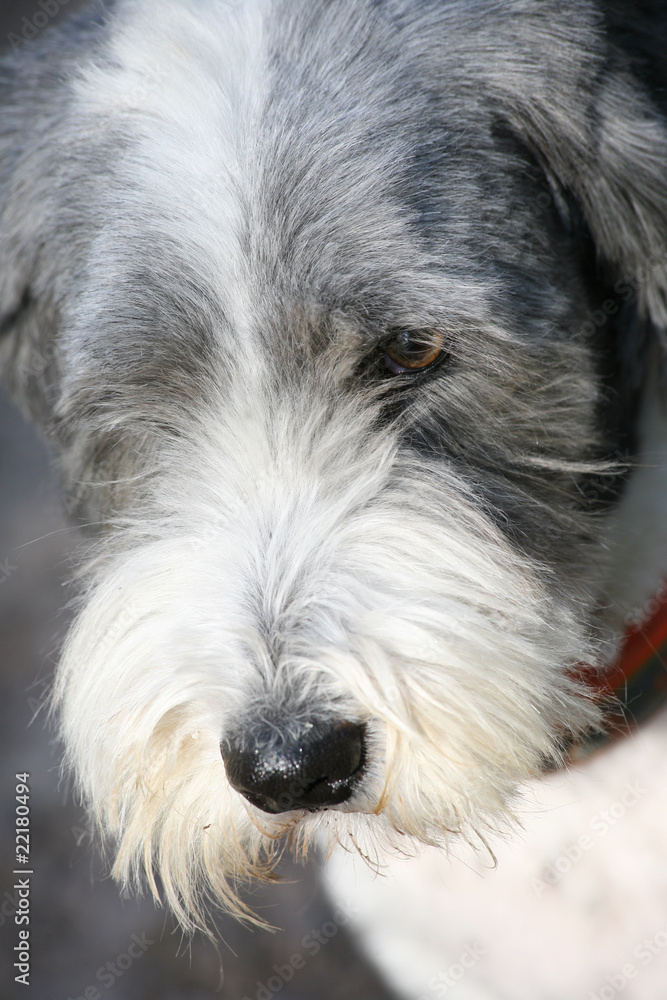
491,172
494,137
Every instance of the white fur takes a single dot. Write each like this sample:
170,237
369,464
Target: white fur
553,918
576,905
188,86
311,515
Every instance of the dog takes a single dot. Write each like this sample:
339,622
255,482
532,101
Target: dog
346,323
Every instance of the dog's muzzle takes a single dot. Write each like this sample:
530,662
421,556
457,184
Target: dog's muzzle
319,768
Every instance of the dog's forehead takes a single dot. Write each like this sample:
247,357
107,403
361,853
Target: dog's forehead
304,152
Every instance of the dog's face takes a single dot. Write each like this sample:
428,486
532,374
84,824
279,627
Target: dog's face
318,288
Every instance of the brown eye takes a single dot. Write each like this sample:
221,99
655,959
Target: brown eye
414,350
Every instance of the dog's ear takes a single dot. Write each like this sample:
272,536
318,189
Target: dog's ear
29,258
601,139
42,200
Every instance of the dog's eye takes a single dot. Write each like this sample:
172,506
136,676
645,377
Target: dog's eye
413,351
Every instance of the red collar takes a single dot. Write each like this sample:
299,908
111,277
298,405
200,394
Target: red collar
636,684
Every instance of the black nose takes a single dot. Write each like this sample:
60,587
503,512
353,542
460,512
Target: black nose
318,768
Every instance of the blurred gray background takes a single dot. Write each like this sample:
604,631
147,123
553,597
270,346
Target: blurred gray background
80,929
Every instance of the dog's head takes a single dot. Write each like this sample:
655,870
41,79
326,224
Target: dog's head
337,316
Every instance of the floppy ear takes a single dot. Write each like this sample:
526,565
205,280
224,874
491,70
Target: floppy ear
618,174
42,198
30,105
602,140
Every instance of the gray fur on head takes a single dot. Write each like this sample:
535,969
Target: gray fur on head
214,218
